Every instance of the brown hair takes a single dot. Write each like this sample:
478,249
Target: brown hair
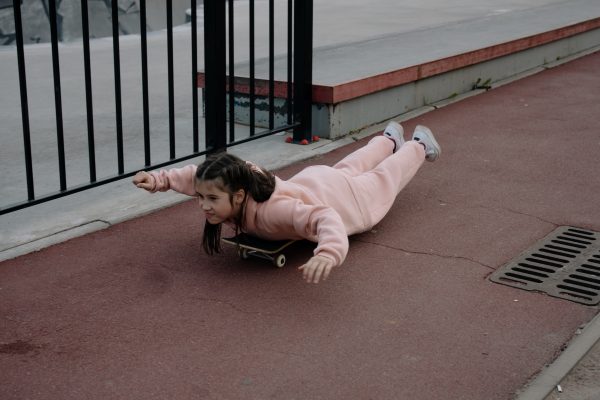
233,174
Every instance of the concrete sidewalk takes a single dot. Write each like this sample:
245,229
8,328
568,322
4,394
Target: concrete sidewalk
137,311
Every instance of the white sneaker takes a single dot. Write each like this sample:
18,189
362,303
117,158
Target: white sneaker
395,132
424,136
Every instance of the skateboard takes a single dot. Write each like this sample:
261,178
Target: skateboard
251,246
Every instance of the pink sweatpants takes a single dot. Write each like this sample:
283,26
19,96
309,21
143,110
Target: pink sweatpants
376,174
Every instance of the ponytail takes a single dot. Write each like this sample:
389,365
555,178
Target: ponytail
211,239
234,174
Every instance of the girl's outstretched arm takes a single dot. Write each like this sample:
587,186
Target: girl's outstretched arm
181,180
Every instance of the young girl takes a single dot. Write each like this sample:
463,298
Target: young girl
322,204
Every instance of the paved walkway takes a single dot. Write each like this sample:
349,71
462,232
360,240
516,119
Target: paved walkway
137,311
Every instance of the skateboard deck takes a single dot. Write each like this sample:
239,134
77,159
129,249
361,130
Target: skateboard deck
249,245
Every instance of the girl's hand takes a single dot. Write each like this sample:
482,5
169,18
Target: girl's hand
315,268
143,180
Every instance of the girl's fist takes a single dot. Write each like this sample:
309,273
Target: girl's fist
143,180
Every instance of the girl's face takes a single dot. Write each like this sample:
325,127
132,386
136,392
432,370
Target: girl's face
218,205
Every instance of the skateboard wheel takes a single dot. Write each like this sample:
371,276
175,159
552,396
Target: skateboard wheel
279,261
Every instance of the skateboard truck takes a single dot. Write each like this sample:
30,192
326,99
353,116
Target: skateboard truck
252,246
278,260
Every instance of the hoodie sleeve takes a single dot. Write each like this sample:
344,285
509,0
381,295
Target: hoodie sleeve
313,222
181,180
326,224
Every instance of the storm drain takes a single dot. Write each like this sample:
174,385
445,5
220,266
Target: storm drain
564,264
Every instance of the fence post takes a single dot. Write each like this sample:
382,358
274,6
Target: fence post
214,67
303,38
24,101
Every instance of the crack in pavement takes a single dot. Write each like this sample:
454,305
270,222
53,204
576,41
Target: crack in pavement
429,254
441,201
554,224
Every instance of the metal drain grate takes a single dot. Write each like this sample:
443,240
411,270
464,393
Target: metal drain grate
564,264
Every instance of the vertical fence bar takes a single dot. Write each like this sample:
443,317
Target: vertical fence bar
88,89
271,64
117,72
57,95
194,26
303,11
215,67
252,82
24,101
170,79
145,105
231,47
290,24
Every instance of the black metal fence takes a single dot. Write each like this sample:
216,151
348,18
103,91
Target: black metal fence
219,45
219,90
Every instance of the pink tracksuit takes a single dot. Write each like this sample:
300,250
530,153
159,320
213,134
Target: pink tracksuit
324,204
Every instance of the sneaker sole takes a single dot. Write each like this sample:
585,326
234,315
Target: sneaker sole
438,150
398,128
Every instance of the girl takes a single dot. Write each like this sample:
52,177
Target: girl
322,204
